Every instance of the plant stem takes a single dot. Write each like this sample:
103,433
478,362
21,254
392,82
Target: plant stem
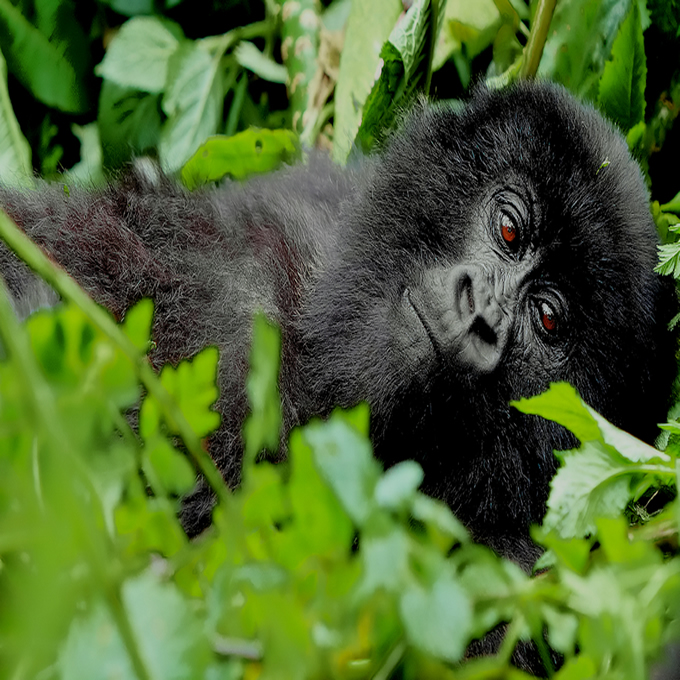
71,291
539,33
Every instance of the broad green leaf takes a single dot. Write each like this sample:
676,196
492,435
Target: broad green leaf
88,172
15,153
622,85
368,27
439,521
139,54
344,457
466,25
562,404
165,465
129,123
581,36
171,641
250,57
321,527
438,620
246,153
263,425
673,205
49,66
193,103
385,561
398,485
592,482
406,62
137,324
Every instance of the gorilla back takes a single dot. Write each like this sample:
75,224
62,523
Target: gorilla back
483,254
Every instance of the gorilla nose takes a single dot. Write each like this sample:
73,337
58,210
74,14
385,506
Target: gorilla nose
481,319
466,315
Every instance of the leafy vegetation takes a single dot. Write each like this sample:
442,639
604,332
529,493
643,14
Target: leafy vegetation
323,566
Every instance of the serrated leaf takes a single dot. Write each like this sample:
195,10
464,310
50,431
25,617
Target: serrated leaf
592,482
192,385
193,103
622,85
139,55
246,153
437,620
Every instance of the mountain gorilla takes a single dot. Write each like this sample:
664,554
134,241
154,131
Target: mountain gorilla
482,254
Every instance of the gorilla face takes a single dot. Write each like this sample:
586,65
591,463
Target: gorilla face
484,253
492,251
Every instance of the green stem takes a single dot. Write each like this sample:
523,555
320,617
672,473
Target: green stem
539,33
125,628
71,291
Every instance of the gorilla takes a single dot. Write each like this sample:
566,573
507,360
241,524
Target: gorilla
483,253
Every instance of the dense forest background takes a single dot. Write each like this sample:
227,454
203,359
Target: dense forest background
306,573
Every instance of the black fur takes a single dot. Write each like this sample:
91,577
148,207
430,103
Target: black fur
362,267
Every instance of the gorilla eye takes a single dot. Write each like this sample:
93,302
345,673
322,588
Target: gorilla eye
508,230
547,316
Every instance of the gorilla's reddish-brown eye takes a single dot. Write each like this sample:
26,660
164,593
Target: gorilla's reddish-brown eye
548,317
508,230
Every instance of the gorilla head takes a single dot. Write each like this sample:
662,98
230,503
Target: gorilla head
484,253
489,252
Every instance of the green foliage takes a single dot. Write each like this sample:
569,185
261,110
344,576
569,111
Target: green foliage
323,566
245,153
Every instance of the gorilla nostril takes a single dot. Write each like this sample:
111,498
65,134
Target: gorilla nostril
483,331
466,293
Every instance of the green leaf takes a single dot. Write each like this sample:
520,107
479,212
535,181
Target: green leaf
246,153
193,102
248,56
368,27
622,85
139,55
398,486
51,66
669,259
385,561
15,153
437,620
466,26
406,66
192,384
581,36
562,404
171,641
169,470
137,324
593,482
345,460
262,428
129,123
